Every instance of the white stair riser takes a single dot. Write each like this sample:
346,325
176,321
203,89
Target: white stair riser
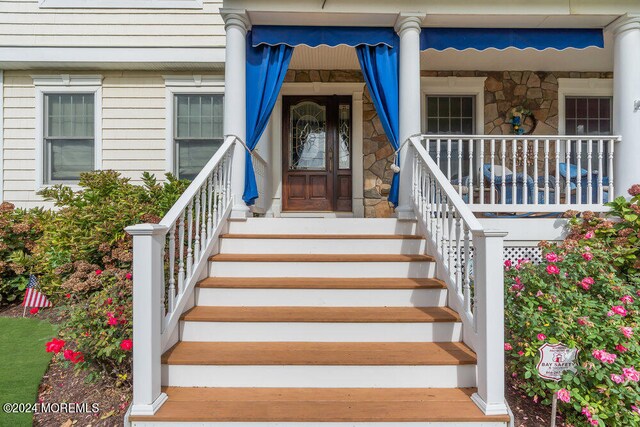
323,246
313,424
235,297
322,226
417,269
319,376
320,332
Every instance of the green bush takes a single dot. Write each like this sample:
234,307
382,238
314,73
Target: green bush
585,295
83,261
19,231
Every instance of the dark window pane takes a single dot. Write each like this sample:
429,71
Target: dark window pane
456,125
570,105
581,127
581,107
443,126
593,127
605,127
443,107
467,126
467,107
570,128
432,125
605,108
455,107
193,155
593,107
432,106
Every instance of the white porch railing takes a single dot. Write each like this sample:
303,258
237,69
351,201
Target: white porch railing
527,173
469,261
168,259
260,168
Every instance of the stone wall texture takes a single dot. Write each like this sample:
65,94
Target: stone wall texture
536,91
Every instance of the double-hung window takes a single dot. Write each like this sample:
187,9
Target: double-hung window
69,136
198,131
450,115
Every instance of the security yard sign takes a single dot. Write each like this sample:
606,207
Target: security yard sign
555,359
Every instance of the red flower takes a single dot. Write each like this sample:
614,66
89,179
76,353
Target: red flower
507,347
128,276
98,272
541,337
126,345
551,257
109,301
553,269
67,296
112,321
77,357
55,345
621,348
588,256
68,354
34,310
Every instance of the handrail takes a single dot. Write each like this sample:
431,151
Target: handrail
617,138
469,262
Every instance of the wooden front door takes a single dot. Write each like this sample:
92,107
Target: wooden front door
316,153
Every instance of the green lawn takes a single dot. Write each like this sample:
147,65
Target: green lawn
23,362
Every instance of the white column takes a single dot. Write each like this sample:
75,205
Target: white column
148,251
235,103
408,29
626,102
489,318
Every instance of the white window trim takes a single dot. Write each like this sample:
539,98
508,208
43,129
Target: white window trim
455,86
581,88
65,83
195,84
1,136
120,4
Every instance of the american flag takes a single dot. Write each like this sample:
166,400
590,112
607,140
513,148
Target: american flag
33,297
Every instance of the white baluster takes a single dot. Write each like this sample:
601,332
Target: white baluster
470,190
546,171
514,179
210,208
466,287
600,170
611,190
438,149
557,144
172,260
579,172
589,171
460,167
203,220
503,158
568,163
492,196
450,238
181,270
196,243
458,253
449,159
189,240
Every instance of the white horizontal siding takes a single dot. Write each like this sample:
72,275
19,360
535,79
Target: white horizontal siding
133,128
23,23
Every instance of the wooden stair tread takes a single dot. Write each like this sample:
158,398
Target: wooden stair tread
319,405
319,353
319,283
321,314
320,258
324,236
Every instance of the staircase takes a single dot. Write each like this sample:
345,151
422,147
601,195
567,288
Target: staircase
320,322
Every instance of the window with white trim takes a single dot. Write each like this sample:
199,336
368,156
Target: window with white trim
450,115
198,131
69,136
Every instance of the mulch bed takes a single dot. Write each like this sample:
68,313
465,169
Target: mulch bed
62,384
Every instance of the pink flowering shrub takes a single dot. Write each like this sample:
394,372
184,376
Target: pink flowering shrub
587,302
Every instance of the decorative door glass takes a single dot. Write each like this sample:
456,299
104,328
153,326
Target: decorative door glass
344,136
307,136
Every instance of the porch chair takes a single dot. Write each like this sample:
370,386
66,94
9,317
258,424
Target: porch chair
572,175
521,179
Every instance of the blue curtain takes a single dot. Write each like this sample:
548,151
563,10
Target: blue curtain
266,68
380,68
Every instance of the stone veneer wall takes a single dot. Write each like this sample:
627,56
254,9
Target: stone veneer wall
536,91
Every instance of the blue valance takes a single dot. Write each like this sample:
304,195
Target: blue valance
502,38
274,35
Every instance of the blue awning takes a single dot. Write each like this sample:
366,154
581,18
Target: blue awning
274,35
502,38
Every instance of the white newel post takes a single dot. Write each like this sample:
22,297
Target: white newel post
235,103
489,314
408,29
626,102
148,251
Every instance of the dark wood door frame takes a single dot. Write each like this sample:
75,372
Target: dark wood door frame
318,190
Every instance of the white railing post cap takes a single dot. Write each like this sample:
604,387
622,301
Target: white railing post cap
489,233
146,229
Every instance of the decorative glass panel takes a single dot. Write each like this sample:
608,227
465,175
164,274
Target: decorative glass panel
198,131
307,136
344,136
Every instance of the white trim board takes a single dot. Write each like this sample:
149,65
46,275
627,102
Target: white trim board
65,83
1,136
355,90
580,87
120,4
194,84
473,86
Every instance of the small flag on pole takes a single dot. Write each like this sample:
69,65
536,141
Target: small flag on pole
33,297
